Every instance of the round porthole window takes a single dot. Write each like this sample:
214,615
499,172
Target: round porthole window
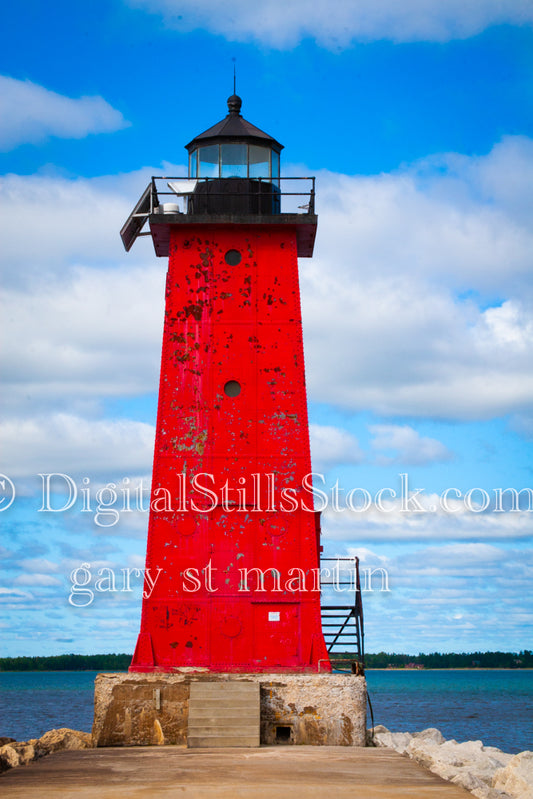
232,388
233,257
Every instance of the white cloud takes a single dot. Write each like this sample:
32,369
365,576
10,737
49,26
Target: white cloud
397,300
94,334
367,557
332,445
399,521
69,445
461,560
461,220
40,565
42,580
14,595
29,113
136,561
503,178
279,24
73,221
386,327
408,349
447,597
408,446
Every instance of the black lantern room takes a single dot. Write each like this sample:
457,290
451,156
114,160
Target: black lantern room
236,165
234,148
233,178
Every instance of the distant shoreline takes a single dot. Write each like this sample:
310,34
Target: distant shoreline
381,661
367,669
454,668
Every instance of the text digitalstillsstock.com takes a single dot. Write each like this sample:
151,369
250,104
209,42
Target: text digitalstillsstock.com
257,493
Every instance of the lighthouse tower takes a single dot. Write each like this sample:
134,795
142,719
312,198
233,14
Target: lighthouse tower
233,542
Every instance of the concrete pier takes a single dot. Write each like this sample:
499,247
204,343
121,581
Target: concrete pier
253,773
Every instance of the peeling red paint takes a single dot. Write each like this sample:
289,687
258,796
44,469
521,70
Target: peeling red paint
243,324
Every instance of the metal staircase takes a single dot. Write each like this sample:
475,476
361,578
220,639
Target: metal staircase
342,625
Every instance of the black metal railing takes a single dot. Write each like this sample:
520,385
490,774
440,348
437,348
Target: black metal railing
342,624
201,197
264,196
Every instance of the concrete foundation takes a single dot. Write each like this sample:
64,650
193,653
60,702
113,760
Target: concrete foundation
153,709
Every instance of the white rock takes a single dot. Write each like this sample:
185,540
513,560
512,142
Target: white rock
498,755
431,734
468,764
516,778
399,741
485,771
424,752
477,787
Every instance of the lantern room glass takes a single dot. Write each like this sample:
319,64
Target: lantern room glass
234,160
259,162
208,166
275,164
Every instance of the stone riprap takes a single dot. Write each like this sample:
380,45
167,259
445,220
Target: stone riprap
485,771
19,753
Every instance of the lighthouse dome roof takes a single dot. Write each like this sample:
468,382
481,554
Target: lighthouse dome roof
234,127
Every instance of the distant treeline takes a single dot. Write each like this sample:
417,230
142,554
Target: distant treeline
381,660
448,660
67,663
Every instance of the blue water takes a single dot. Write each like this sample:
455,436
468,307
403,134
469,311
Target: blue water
33,702
493,706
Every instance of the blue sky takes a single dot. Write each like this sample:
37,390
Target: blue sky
418,327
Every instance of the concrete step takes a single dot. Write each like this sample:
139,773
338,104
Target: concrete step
227,715
223,714
224,685
240,704
210,729
220,741
243,690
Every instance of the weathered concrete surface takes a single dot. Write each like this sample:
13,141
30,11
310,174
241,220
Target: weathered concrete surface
265,773
125,712
153,709
320,709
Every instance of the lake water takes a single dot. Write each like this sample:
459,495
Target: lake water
494,706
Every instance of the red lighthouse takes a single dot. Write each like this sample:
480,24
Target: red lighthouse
233,547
